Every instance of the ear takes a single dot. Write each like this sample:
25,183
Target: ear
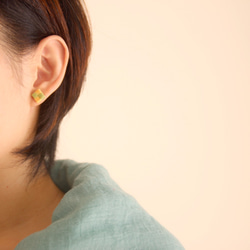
51,60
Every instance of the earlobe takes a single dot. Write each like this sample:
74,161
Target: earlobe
52,59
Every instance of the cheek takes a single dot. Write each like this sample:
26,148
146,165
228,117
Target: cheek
12,122
10,93
13,112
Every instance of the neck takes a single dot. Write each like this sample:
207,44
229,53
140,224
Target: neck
25,209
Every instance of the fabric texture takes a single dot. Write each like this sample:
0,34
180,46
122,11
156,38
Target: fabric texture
95,214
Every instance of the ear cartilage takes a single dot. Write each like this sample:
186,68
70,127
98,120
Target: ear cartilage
38,95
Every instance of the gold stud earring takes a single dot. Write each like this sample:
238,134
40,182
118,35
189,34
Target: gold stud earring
38,95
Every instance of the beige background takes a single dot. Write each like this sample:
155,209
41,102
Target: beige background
166,110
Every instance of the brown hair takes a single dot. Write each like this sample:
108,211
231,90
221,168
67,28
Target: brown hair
25,23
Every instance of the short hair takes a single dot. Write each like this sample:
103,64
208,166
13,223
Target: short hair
24,23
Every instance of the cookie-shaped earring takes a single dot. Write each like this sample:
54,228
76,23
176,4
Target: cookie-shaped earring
38,95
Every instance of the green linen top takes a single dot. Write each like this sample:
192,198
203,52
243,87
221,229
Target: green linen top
95,213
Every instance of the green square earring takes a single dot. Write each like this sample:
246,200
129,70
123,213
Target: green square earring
38,95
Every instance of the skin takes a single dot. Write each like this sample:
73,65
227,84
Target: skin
26,209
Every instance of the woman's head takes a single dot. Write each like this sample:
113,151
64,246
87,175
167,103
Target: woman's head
43,45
